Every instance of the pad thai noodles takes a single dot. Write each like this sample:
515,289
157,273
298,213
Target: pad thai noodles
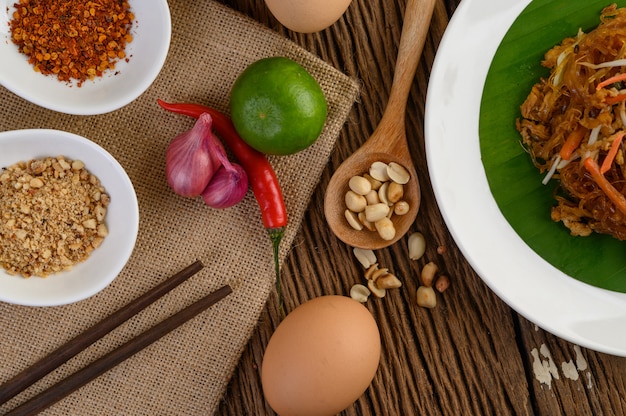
573,124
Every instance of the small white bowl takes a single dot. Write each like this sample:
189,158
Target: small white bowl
151,31
105,263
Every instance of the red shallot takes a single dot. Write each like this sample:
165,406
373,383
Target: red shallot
191,160
228,187
197,164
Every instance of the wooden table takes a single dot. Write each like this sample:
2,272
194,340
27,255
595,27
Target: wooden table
472,354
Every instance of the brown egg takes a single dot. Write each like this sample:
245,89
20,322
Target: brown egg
321,358
307,16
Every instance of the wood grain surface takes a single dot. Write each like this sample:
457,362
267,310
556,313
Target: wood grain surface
472,354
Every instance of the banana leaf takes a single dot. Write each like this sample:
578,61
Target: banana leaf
598,260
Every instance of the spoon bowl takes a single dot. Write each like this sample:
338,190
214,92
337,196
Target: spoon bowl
338,186
388,143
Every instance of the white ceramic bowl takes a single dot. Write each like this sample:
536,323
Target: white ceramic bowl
115,89
122,220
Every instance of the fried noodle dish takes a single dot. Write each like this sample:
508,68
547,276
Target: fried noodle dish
573,124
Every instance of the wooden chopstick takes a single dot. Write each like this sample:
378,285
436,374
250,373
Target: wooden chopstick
110,360
44,366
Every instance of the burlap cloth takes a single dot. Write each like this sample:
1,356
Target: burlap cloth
187,372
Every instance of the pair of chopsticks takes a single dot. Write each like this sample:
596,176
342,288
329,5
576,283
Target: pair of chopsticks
73,382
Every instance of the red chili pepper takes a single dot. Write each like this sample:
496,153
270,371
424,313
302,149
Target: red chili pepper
263,180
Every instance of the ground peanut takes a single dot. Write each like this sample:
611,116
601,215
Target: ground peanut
49,220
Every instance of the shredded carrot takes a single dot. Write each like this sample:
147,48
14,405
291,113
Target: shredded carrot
611,80
572,142
608,160
615,99
609,190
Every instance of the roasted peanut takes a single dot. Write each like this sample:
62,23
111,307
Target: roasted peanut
353,220
417,245
360,293
378,171
367,224
395,192
401,208
385,229
426,297
428,274
372,197
370,271
376,212
388,281
398,173
355,202
382,193
374,182
377,274
359,185
364,256
376,291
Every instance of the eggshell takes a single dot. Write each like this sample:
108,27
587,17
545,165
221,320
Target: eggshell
307,16
321,358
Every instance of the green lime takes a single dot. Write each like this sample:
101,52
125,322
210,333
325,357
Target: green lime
277,107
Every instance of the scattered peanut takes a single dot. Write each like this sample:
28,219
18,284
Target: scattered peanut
365,257
428,274
370,271
360,293
426,297
379,273
378,279
388,281
376,291
417,245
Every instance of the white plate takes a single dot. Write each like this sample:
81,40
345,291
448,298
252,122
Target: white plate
115,89
588,316
122,220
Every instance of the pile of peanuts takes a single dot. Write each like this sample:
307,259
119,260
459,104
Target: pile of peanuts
374,197
430,278
380,279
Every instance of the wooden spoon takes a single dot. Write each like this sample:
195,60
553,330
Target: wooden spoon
388,143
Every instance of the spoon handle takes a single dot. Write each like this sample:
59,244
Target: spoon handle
417,16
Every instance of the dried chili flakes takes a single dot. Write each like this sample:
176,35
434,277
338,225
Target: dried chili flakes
72,39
